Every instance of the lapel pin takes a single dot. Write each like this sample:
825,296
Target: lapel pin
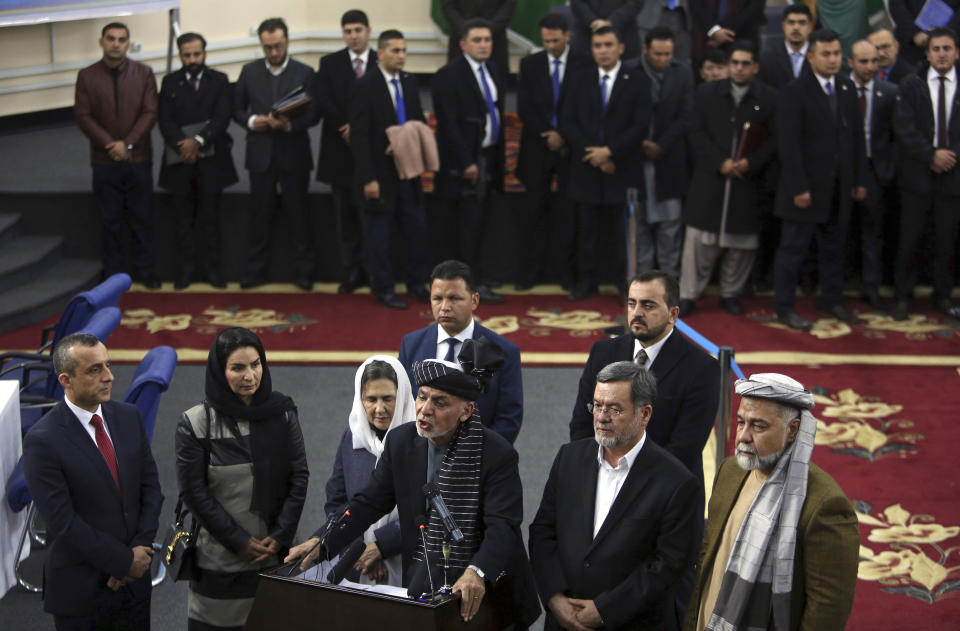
843,87
756,108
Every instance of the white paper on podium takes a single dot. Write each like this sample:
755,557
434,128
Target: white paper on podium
389,590
318,574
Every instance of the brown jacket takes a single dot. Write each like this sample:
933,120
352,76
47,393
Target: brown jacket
414,149
128,117
828,548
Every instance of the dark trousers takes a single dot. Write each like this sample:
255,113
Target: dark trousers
349,229
915,212
795,240
589,249
124,194
547,216
294,203
472,213
409,215
871,212
197,213
113,611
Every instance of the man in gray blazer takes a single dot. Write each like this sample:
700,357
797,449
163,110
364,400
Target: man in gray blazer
278,153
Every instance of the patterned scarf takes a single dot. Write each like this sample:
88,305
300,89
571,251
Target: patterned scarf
759,573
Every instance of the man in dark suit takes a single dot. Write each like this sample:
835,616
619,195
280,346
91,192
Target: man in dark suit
876,99
541,89
116,107
890,64
927,124
617,526
90,471
334,81
717,23
779,65
497,12
589,15
665,169
278,153
468,95
196,98
454,298
913,39
823,170
475,473
732,142
604,123
381,99
688,379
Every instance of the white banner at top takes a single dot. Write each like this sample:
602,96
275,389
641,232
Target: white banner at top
21,12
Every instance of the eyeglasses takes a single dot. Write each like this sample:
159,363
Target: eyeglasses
597,410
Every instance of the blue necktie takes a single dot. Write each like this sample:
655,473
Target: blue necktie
829,88
671,5
491,106
603,92
556,91
452,344
797,63
401,106
723,10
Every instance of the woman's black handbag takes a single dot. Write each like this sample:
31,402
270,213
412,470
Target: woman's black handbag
180,546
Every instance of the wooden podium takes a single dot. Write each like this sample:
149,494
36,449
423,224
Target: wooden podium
287,603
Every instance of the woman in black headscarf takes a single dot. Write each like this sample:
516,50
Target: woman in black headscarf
243,474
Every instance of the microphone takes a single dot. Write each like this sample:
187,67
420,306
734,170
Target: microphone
415,590
336,522
347,559
432,491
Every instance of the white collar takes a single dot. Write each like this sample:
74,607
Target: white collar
653,350
610,73
387,76
365,55
802,51
475,65
932,75
462,336
825,80
627,458
83,415
563,57
868,85
283,66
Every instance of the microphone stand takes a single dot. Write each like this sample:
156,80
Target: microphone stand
446,589
426,562
333,523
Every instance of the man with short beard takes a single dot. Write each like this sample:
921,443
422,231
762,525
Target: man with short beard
688,379
745,578
618,524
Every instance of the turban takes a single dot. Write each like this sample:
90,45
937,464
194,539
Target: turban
775,387
479,359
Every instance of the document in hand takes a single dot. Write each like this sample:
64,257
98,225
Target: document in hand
932,14
292,104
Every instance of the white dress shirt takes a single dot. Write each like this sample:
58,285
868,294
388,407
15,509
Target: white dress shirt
610,480
798,62
612,73
488,139
824,81
563,64
868,117
949,88
461,337
84,417
396,91
652,351
364,56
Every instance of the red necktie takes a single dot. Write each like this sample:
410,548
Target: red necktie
863,102
105,447
358,66
194,82
882,74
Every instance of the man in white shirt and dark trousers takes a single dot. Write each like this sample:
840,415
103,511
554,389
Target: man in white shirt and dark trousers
620,518
929,178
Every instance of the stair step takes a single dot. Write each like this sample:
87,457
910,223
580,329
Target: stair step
8,223
26,256
48,293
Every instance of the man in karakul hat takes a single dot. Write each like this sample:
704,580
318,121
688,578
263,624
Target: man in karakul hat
782,541
477,475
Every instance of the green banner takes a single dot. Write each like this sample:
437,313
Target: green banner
524,21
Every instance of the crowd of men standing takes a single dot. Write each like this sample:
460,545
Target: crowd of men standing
760,170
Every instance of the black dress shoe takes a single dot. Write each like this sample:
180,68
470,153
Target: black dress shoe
250,283
794,320
151,282
686,307
873,299
494,283
418,293
216,280
947,308
841,313
305,284
582,293
488,296
391,301
523,285
901,310
732,306
355,280
182,283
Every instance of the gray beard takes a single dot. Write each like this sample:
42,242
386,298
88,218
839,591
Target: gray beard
751,462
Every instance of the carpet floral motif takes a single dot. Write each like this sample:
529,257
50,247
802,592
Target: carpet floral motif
905,567
917,327
212,320
538,322
864,427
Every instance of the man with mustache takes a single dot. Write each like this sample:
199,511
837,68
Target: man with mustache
620,518
747,577
688,379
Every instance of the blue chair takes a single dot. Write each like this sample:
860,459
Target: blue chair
18,498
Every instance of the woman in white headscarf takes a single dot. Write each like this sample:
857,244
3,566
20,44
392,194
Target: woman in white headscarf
382,400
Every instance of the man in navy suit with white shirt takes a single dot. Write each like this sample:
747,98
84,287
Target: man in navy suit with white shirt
90,471
454,298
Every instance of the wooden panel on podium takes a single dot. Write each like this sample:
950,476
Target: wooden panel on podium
287,603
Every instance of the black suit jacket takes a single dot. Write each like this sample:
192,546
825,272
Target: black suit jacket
622,128
256,91
333,86
817,150
904,12
461,110
621,13
899,70
92,525
716,122
371,112
914,124
883,143
535,108
498,12
776,69
688,391
398,481
648,539
181,105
